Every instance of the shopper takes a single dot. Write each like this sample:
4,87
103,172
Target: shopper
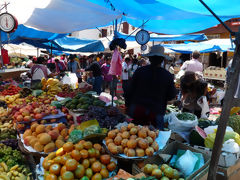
133,67
74,67
97,74
60,65
39,71
151,88
194,64
107,79
51,64
125,75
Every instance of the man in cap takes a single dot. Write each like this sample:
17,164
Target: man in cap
152,86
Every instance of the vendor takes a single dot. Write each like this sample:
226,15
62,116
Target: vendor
151,88
192,89
74,67
39,71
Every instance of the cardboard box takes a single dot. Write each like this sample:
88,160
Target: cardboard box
166,154
230,173
176,137
225,159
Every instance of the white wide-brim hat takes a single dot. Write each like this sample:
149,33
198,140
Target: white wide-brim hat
157,50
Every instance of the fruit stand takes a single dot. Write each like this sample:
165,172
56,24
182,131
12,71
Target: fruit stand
71,133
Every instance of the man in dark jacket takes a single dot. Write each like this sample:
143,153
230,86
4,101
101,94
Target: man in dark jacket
151,88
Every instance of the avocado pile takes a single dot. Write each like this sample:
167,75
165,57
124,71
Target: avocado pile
83,101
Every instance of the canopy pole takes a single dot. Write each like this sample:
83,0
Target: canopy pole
51,50
1,59
228,100
227,105
37,52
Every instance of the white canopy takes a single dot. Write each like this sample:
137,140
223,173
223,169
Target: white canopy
22,50
61,16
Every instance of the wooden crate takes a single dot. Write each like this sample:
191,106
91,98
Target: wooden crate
172,149
230,173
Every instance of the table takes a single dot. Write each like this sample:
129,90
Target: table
12,73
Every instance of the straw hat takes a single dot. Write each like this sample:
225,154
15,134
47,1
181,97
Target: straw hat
157,50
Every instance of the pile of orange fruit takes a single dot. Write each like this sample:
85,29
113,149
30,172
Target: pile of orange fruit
83,160
132,140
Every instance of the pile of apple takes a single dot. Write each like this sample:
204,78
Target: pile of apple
31,111
68,116
42,99
46,138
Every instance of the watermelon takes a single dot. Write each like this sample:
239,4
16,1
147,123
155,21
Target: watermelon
203,123
197,136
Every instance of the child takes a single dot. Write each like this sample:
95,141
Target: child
90,79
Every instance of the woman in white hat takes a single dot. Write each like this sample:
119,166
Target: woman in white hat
151,88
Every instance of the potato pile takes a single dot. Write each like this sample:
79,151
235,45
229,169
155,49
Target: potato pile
46,138
132,140
83,160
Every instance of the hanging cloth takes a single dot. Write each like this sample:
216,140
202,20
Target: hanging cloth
5,57
116,63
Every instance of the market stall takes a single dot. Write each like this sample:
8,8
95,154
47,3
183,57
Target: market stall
65,131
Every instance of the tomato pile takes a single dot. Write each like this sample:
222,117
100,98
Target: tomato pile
11,90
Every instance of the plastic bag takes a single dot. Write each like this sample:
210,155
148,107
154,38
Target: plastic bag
180,74
75,136
212,129
70,79
219,95
37,92
209,140
186,163
202,102
94,129
105,97
177,125
230,146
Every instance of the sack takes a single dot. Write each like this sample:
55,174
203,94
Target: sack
202,102
70,79
230,146
177,125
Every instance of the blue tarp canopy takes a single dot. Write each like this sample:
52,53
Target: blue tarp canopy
49,40
172,16
24,33
204,47
165,38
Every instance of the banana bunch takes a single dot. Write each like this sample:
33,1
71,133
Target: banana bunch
15,173
6,126
3,112
52,86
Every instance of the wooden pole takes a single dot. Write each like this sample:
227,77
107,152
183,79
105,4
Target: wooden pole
227,105
1,59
